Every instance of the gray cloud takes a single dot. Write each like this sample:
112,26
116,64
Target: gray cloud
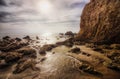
3,16
23,10
2,3
26,13
78,5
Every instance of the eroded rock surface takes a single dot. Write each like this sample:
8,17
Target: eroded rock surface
100,22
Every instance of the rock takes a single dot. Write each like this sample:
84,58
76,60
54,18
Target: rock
115,46
68,44
97,49
91,45
18,39
27,38
3,55
53,52
12,57
61,34
47,47
84,53
37,41
27,51
3,64
6,38
75,50
24,64
79,43
89,69
112,66
43,59
115,57
69,33
100,22
4,43
12,46
42,52
59,43
37,38
104,47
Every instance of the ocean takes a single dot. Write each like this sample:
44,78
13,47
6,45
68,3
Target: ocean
34,29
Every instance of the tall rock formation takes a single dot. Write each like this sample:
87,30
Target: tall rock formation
100,22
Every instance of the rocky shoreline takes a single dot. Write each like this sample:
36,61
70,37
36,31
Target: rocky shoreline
22,57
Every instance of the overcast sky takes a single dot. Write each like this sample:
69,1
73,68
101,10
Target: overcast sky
31,14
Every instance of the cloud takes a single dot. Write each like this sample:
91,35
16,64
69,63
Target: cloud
3,16
78,5
2,3
64,12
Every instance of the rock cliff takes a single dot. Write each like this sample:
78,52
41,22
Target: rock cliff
100,22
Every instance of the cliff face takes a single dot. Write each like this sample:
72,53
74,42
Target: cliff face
100,21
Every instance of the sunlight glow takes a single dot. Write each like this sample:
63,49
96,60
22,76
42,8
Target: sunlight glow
47,34
44,6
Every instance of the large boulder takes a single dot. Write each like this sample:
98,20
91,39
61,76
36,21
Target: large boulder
100,22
